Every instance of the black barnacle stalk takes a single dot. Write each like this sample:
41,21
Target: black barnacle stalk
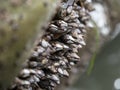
56,52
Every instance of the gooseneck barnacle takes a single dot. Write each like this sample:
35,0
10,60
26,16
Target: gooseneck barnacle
57,51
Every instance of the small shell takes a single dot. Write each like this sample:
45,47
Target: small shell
52,84
40,73
68,39
34,79
62,23
60,71
72,63
55,78
44,61
25,73
65,60
60,46
56,64
65,73
73,57
53,69
53,28
75,33
85,18
62,62
75,25
40,50
67,18
32,71
59,27
69,9
21,82
35,54
74,46
44,43
74,15
82,42
82,12
75,49
33,64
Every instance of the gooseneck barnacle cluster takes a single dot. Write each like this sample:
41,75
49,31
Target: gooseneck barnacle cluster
56,51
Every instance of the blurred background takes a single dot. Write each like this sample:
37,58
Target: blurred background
21,22
103,72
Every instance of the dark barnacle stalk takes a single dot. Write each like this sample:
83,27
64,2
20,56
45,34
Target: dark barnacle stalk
56,52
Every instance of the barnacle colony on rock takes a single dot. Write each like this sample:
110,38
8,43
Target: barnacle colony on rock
56,52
